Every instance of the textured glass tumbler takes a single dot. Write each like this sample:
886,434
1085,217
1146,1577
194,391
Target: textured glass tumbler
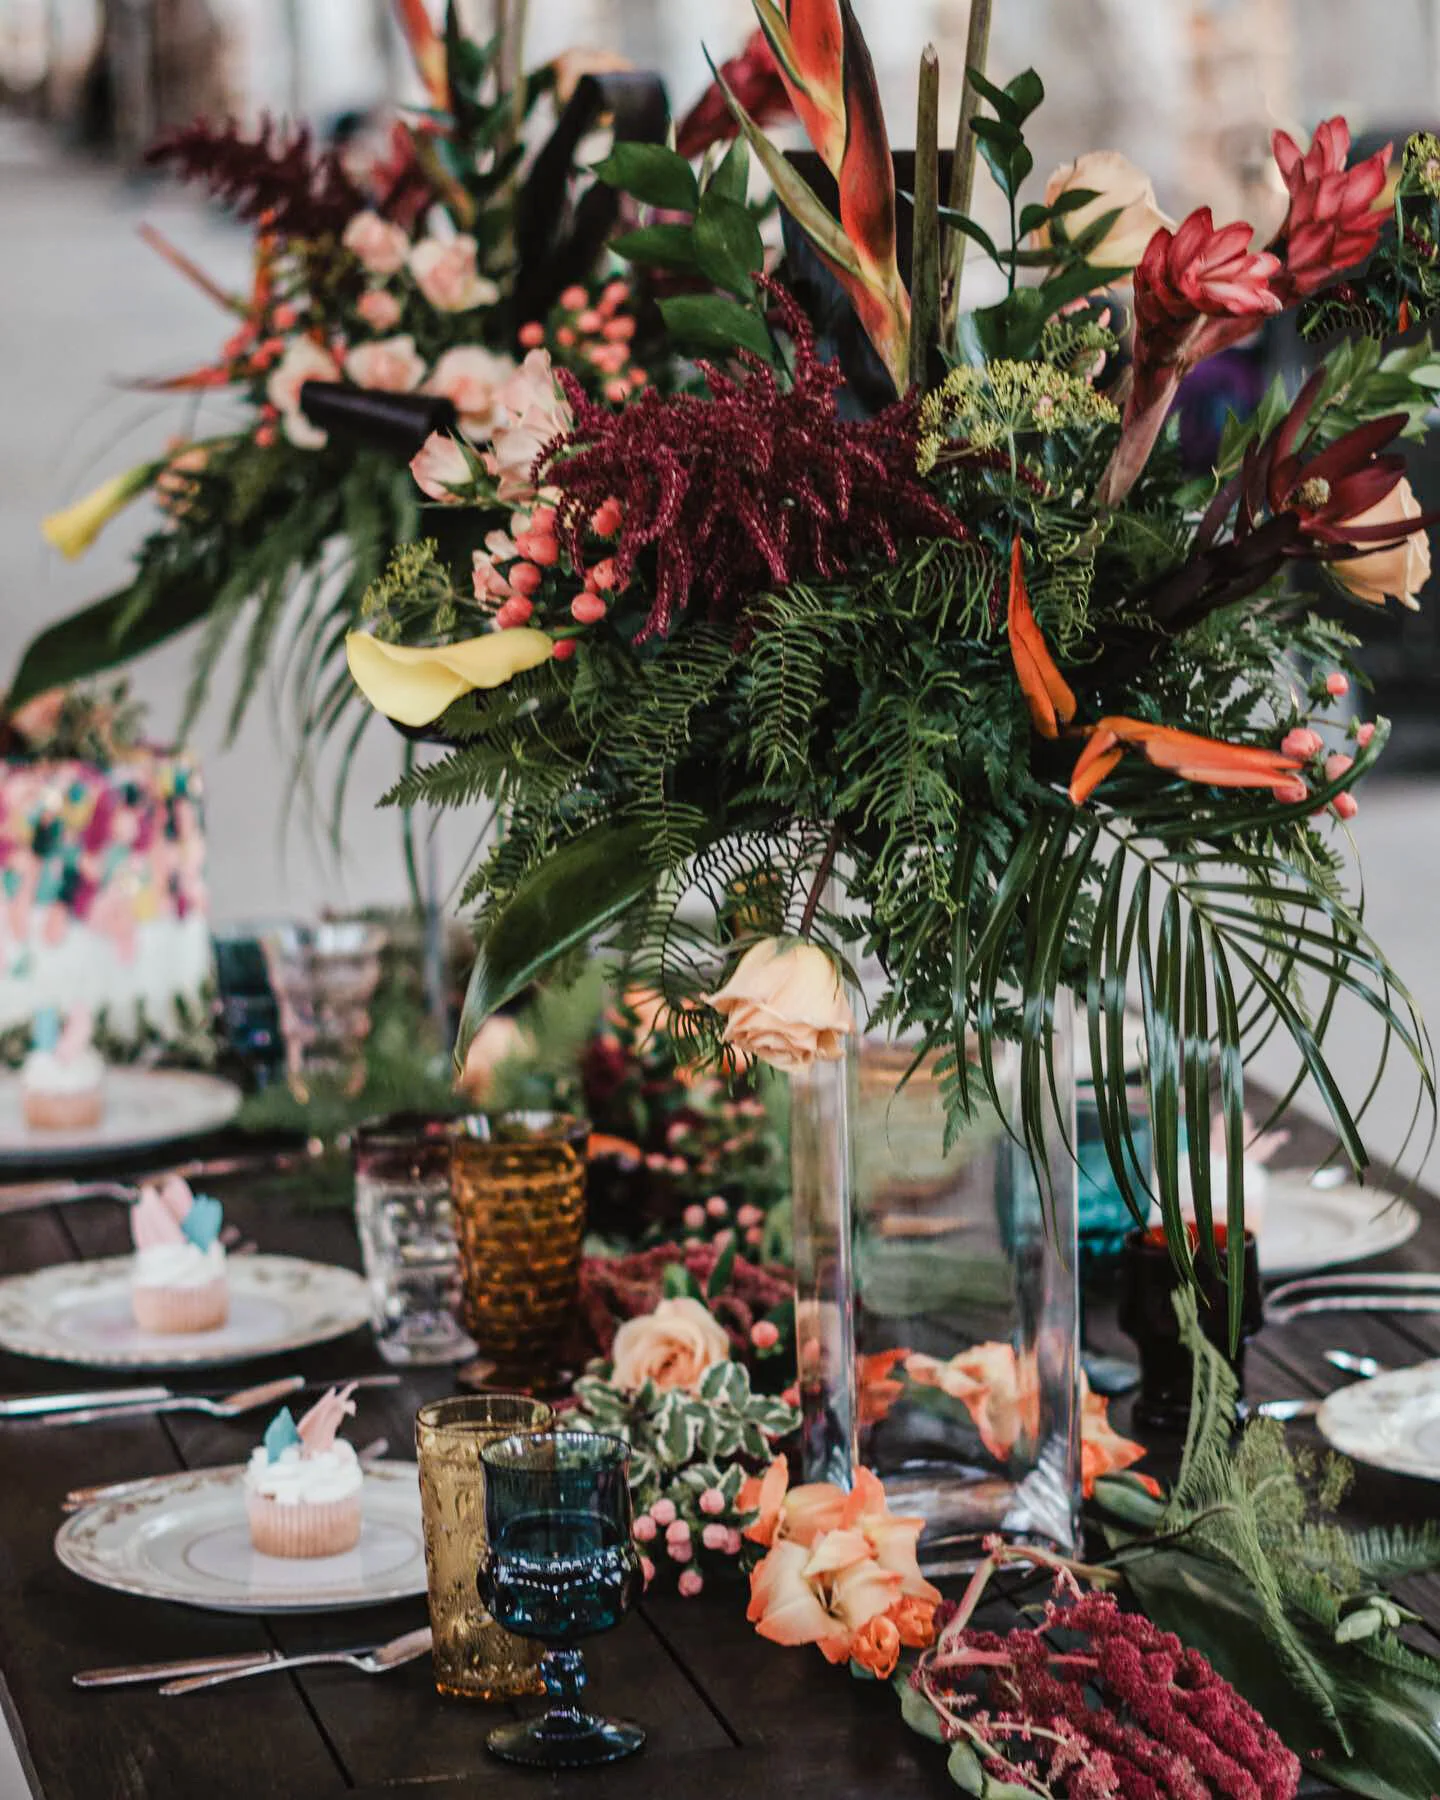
324,977
517,1184
474,1658
407,1238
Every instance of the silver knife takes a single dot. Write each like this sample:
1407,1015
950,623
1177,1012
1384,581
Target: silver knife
116,1402
128,1673
25,1196
30,1406
231,1407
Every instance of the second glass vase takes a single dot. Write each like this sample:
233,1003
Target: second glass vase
937,1296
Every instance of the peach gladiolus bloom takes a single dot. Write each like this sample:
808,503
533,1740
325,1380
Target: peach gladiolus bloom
841,1571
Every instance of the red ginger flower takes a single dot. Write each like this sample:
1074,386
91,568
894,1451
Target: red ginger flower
1333,223
753,77
755,487
1197,290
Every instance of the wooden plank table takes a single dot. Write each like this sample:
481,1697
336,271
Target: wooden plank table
728,1716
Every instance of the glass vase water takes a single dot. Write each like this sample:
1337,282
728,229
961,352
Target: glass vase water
937,1301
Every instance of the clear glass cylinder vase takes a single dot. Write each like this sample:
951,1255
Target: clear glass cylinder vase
937,1297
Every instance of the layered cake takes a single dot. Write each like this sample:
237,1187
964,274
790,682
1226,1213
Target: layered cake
102,890
179,1281
303,1482
62,1080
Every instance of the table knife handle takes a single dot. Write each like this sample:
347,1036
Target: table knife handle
130,1673
35,1406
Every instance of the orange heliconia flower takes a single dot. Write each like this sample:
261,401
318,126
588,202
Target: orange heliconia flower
1183,753
1046,691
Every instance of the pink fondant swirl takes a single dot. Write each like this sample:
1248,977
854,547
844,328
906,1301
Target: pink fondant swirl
319,1427
158,1214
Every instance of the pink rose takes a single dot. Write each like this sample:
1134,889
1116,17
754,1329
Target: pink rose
690,1584
303,360
472,378
535,413
672,1346
439,466
445,273
379,309
390,364
379,245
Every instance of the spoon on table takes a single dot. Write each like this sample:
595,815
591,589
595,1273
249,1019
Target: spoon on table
376,1661
1365,1366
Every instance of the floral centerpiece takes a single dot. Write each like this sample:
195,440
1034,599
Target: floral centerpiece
397,284
1055,712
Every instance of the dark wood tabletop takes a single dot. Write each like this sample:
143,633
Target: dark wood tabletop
728,1716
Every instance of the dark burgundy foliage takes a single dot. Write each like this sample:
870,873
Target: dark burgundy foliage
1166,1726
616,1288
752,488
754,78
275,178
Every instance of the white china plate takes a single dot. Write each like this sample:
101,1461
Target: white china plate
1304,1228
80,1313
1391,1421
143,1107
184,1538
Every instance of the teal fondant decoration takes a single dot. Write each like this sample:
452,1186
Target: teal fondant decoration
280,1435
45,1028
202,1223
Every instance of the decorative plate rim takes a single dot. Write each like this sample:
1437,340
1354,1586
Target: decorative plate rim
1364,1420
1401,1217
223,1100
345,1310
162,1489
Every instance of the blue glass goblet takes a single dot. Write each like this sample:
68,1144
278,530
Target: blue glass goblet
560,1563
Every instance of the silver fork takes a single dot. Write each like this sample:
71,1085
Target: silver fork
378,1661
246,1400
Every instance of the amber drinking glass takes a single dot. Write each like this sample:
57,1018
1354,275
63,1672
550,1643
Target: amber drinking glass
474,1657
517,1184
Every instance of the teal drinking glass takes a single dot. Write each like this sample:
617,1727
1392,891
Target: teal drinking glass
560,1564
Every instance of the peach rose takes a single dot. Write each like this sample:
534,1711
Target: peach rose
391,364
472,378
445,272
38,719
379,245
784,1005
439,466
1117,184
672,1346
498,1040
379,309
303,360
1397,570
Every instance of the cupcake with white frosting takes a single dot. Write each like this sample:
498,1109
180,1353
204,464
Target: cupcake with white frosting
303,1482
62,1080
178,1282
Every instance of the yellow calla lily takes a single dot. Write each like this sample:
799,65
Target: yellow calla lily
414,685
75,528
